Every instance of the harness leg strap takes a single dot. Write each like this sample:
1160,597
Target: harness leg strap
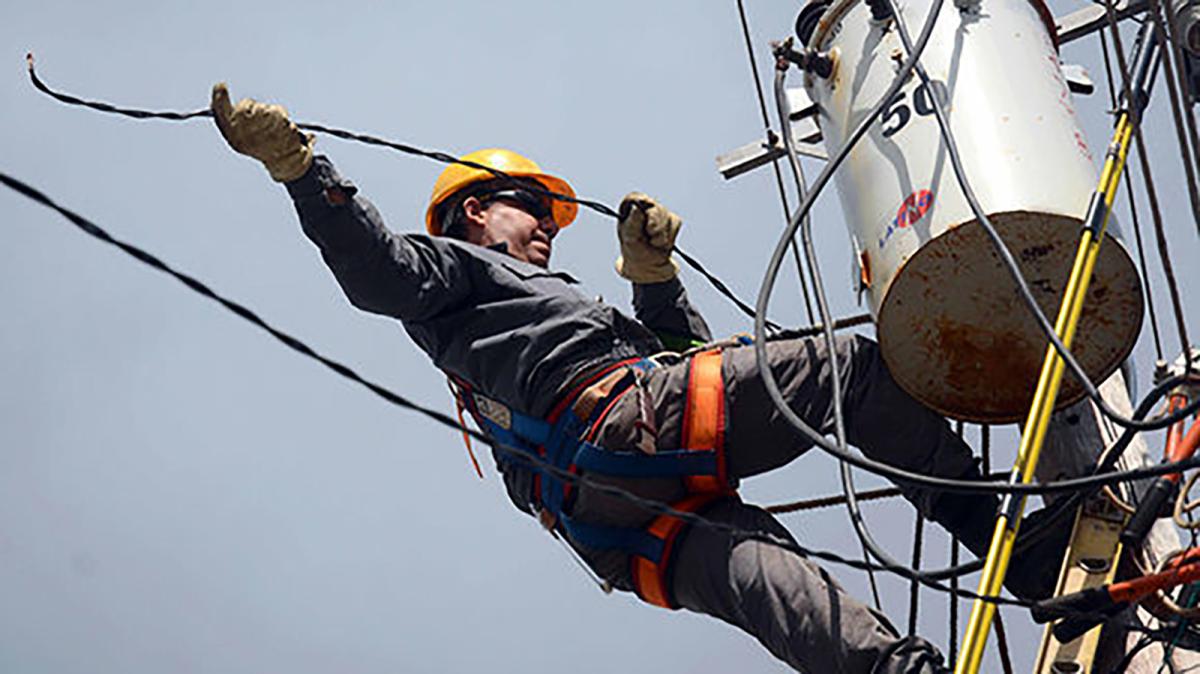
652,577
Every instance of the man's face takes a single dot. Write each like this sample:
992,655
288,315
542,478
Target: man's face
519,219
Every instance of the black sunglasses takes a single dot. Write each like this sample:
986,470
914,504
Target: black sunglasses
533,204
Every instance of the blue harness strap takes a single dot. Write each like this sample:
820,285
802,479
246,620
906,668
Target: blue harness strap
561,442
670,463
604,537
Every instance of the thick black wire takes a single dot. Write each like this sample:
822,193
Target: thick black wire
914,588
1133,211
295,344
1184,137
370,140
1173,37
953,599
878,468
846,474
1002,643
762,108
1002,249
442,157
849,492
839,451
1057,511
911,63
1151,192
1170,53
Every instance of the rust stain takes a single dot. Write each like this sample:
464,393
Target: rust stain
992,373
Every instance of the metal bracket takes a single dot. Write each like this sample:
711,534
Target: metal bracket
806,135
1088,20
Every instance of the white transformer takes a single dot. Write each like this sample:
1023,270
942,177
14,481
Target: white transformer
952,328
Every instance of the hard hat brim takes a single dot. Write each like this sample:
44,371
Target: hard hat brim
564,212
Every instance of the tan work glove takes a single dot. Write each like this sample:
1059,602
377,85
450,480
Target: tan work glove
264,132
647,231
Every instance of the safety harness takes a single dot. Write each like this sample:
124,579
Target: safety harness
564,440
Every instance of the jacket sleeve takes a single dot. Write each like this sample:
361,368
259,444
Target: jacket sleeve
406,276
665,309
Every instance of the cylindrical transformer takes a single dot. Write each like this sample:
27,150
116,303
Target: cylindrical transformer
952,328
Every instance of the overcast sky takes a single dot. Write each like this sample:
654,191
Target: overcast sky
179,493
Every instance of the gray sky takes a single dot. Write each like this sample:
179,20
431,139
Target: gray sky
180,493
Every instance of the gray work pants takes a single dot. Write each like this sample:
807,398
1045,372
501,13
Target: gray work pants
791,605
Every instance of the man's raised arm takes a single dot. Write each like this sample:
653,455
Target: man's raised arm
647,232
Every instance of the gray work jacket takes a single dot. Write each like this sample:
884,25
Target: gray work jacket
516,332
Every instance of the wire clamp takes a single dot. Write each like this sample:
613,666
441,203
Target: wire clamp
810,60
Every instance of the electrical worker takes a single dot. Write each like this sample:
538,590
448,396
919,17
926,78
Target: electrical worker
570,382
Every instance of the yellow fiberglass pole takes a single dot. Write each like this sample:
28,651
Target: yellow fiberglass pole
1009,518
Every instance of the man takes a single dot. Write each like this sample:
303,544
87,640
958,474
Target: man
570,383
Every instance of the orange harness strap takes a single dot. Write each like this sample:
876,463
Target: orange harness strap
703,430
704,420
652,580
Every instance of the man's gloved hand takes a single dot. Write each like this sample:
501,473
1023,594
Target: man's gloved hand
264,132
647,231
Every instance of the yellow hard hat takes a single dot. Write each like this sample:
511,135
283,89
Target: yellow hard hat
458,176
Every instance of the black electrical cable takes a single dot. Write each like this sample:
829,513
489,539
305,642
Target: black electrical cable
879,468
295,344
914,589
967,486
1134,105
1002,644
846,475
1144,36
442,157
1147,288
909,65
762,108
1184,111
565,475
1178,114
1123,664
850,494
883,469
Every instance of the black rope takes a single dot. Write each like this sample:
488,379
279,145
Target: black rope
438,156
